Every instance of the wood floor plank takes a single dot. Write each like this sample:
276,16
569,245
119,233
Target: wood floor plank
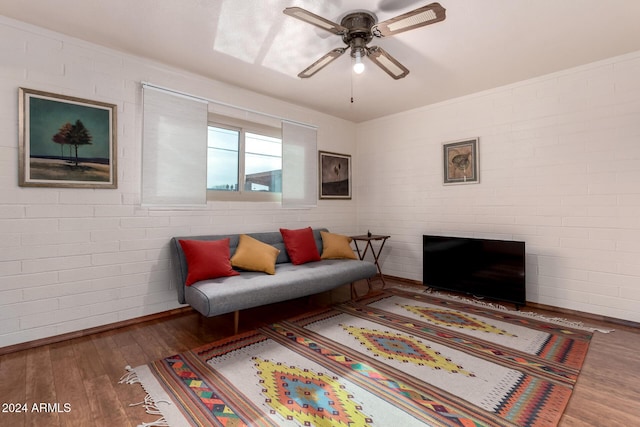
166,338
122,337
598,412
40,389
87,358
181,337
13,388
69,385
149,343
106,408
114,363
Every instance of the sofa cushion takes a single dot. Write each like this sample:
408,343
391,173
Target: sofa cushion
254,255
207,260
300,245
336,246
251,289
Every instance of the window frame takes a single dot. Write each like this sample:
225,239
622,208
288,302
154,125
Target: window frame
243,127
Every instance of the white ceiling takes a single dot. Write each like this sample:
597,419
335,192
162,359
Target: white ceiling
250,43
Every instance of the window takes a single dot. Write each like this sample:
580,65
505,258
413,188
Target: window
222,159
172,174
196,150
263,163
244,162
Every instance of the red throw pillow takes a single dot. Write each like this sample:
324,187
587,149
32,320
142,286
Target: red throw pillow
300,245
207,259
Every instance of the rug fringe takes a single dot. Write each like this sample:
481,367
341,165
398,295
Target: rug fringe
130,377
555,320
150,405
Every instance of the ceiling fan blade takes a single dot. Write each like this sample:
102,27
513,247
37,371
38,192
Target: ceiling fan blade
313,19
321,63
387,62
425,15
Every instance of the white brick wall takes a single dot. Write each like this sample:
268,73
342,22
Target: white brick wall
72,259
559,169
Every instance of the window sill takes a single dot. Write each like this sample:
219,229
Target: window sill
242,196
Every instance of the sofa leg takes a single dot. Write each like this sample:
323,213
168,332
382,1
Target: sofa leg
236,321
354,295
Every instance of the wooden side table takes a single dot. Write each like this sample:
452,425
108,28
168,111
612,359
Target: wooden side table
376,254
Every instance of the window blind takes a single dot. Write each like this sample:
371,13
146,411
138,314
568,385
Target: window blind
299,166
174,149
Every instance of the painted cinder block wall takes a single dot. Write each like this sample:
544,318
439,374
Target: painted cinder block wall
72,259
558,159
559,169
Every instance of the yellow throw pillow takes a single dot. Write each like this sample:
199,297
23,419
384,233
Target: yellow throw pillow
254,255
336,246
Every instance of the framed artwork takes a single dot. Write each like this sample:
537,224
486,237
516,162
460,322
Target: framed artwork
460,161
335,175
66,141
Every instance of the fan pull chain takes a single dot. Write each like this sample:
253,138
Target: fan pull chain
351,74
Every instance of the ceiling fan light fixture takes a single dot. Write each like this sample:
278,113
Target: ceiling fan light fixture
358,65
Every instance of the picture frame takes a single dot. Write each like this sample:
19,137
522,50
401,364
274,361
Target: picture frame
461,162
66,141
335,175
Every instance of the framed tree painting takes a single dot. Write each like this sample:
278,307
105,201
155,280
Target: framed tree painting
66,141
460,161
335,175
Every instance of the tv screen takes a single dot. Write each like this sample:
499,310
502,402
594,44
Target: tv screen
493,269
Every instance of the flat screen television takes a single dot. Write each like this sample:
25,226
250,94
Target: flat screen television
493,269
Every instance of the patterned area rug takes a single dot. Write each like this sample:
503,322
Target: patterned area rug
395,359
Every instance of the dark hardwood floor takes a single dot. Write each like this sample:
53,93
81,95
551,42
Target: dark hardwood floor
75,382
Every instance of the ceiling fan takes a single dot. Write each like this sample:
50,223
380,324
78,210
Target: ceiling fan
357,29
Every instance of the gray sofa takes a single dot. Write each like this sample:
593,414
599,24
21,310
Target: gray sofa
250,289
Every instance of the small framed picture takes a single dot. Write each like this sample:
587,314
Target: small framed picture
66,141
335,175
460,161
